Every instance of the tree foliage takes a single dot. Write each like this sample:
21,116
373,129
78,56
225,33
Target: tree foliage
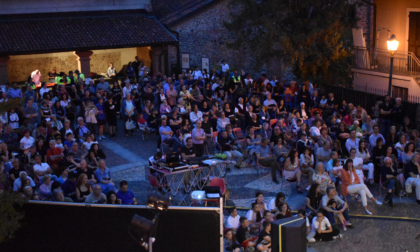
10,213
12,103
313,37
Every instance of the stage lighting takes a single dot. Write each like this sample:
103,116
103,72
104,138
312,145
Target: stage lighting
140,230
158,202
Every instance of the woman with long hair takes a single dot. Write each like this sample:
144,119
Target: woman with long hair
280,151
92,160
401,145
282,210
83,188
314,199
363,153
282,110
229,242
351,184
291,170
111,198
408,152
64,100
46,111
306,162
98,152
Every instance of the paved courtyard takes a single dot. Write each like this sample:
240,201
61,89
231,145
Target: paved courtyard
385,231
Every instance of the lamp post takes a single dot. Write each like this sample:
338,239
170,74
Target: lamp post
392,44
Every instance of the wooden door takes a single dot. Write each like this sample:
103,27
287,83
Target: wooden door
414,33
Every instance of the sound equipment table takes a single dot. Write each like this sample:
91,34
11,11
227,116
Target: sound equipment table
178,184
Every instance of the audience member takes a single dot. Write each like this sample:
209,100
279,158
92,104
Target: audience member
126,196
96,196
243,236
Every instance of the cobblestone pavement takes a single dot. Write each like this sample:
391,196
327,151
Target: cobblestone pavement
369,234
375,236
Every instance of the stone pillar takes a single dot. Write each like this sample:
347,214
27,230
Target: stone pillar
3,69
84,62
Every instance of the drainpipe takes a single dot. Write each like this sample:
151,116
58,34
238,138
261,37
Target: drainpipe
374,17
177,47
160,58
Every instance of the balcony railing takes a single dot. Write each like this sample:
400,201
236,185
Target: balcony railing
405,63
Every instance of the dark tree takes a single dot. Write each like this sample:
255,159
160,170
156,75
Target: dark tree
314,37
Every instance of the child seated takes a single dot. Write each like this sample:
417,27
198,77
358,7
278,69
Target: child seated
337,168
267,217
68,143
142,123
59,144
333,205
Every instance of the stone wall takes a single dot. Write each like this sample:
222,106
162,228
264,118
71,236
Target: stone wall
18,68
365,13
203,35
99,62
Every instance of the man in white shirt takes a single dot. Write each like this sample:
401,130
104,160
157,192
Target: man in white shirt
197,73
375,136
352,141
270,104
96,196
196,115
233,220
44,89
264,78
41,169
127,89
323,228
225,66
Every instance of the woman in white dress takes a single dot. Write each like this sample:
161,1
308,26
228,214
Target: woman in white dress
291,170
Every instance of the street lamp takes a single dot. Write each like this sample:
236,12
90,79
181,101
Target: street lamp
392,44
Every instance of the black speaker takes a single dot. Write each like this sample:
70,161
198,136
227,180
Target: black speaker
288,235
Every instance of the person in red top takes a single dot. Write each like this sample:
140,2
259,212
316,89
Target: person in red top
54,155
142,124
348,120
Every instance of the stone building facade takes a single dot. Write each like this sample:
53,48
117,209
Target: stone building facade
202,34
365,12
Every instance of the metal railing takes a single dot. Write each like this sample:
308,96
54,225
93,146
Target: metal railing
374,59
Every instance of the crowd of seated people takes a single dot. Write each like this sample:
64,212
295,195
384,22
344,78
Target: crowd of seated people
293,129
48,143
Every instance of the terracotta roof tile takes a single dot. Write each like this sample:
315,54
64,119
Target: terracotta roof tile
80,33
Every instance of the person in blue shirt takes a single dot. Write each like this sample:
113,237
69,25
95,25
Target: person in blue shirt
69,186
126,196
63,176
15,92
103,176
